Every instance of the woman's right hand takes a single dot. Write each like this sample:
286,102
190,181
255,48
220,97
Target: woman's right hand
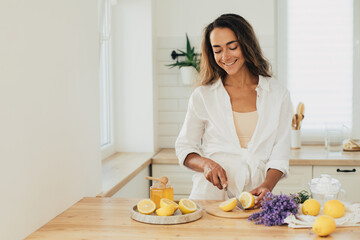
214,173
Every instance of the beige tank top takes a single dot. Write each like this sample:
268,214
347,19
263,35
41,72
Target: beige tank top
245,124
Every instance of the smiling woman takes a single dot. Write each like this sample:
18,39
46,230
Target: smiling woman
236,130
242,42
228,55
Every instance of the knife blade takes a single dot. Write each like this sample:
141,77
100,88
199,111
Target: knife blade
231,195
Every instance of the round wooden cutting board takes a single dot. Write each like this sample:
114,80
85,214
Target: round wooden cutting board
213,209
177,218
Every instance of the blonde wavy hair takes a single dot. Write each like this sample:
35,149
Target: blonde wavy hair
254,59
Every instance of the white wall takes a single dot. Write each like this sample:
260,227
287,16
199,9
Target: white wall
175,17
172,19
133,76
49,118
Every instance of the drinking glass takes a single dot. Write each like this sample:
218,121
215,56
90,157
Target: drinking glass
334,137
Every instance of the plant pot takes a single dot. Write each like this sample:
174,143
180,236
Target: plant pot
188,75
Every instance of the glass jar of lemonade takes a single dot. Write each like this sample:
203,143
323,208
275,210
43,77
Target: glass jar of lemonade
159,190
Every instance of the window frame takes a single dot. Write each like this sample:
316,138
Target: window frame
106,85
281,55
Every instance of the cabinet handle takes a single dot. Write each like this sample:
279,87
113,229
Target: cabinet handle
339,170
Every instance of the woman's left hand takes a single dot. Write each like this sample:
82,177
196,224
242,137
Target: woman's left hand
272,177
260,193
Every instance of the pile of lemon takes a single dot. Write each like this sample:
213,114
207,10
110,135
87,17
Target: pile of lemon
167,207
325,224
246,199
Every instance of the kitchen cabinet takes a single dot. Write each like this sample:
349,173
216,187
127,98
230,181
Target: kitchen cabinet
349,177
305,163
297,180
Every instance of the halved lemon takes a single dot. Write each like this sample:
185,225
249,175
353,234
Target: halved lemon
228,205
187,206
166,210
247,200
146,206
165,201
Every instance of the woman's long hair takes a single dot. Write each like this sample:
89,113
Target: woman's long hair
254,59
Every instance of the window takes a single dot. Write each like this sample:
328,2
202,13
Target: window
319,62
105,76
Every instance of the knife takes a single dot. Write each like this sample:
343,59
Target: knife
231,195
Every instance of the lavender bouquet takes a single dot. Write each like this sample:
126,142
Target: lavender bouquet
274,209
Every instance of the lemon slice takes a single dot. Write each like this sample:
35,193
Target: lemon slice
187,206
165,201
166,210
228,205
146,206
247,200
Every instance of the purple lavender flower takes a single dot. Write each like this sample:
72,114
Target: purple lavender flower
274,209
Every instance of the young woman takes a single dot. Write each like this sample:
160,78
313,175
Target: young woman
237,128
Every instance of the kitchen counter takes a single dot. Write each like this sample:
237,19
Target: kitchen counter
109,218
120,168
307,155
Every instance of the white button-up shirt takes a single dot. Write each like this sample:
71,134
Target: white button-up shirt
209,130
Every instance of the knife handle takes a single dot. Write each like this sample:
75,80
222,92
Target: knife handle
225,187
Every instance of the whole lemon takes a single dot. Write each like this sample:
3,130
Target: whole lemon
311,207
334,208
324,225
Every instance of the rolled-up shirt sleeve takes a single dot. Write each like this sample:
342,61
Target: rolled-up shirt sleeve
279,158
189,139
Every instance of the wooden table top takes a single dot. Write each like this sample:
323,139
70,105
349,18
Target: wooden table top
109,218
306,156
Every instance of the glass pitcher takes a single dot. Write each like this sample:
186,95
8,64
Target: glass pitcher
326,188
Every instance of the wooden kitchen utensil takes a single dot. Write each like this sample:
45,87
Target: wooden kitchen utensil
299,115
164,180
213,208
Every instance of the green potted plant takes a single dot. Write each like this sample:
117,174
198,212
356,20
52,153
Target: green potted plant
189,67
